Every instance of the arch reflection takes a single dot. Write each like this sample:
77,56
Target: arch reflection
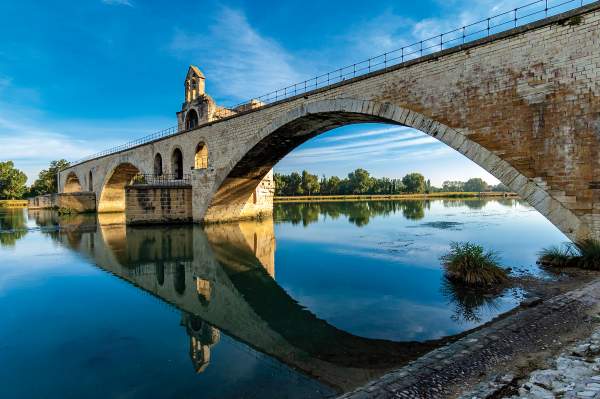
222,277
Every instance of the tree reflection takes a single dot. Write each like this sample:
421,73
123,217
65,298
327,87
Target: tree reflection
470,304
13,226
414,210
358,213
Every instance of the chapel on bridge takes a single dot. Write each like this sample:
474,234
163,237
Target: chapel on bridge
198,107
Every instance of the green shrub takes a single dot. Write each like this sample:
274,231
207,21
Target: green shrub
471,265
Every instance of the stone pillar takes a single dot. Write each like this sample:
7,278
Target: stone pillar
202,183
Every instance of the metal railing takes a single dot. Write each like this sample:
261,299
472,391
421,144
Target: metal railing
164,180
516,17
142,140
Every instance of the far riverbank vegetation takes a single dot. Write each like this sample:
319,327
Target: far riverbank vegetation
360,182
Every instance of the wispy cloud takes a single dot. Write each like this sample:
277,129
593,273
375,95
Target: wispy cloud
367,133
390,30
242,63
118,3
372,145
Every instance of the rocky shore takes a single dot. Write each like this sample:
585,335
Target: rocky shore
575,373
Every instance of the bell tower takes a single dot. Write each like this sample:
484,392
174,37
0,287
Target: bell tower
198,107
194,84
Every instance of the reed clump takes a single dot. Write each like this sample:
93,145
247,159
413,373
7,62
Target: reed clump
471,265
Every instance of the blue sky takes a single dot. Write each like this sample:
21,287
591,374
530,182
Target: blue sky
77,77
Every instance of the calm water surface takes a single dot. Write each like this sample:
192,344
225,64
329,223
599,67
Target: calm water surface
321,299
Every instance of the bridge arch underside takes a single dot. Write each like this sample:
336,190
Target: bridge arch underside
112,197
72,183
306,122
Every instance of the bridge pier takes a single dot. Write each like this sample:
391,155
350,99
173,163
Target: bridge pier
238,198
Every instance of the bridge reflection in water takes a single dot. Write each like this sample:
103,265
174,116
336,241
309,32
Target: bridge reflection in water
222,277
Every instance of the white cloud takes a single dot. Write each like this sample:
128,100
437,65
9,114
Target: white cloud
239,61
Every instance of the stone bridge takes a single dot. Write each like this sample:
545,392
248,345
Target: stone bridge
523,104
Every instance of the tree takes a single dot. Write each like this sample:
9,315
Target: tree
310,183
500,188
359,181
280,184
331,186
12,181
46,181
295,184
414,183
475,185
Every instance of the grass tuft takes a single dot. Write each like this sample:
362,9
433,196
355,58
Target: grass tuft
589,254
585,254
470,264
557,255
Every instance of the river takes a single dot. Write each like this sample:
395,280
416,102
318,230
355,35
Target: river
316,301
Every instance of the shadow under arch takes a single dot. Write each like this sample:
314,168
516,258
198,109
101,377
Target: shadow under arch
112,195
309,120
72,183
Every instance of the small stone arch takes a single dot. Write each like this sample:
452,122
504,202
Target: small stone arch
72,184
201,157
112,197
177,163
308,120
158,164
191,119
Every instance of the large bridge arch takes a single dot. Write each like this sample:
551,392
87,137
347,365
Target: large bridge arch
294,127
112,191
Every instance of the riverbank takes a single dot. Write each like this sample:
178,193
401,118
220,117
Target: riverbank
13,203
388,197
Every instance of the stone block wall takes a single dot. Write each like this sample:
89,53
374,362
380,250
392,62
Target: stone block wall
40,202
158,204
77,202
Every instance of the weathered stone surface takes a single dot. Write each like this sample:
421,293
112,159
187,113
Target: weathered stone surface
156,204
73,201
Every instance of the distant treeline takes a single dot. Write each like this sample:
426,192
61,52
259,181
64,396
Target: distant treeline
361,182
